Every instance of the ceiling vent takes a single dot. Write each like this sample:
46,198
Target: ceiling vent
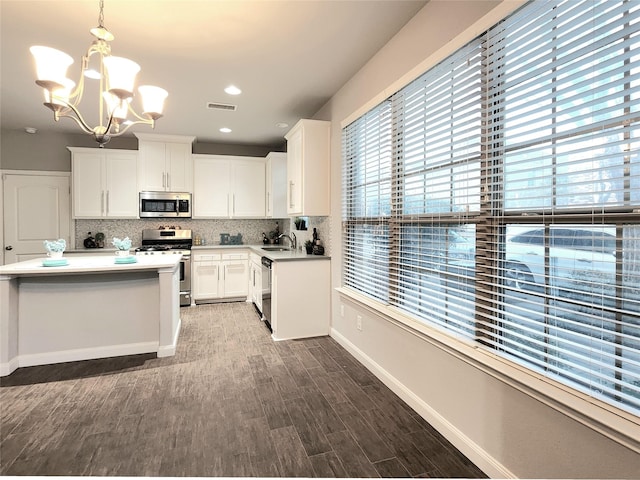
221,106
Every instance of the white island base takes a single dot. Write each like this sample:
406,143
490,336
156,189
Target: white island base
91,308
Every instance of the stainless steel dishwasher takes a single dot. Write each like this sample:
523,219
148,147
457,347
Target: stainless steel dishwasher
266,293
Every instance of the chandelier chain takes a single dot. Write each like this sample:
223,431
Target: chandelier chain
101,16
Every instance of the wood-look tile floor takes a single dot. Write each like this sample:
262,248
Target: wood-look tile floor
231,402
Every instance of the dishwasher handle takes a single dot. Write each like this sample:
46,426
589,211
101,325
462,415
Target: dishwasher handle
266,262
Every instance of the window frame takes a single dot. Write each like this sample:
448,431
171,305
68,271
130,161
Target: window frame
491,222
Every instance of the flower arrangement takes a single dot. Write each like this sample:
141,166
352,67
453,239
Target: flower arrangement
124,244
55,245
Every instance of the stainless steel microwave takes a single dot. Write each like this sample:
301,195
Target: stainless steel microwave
165,205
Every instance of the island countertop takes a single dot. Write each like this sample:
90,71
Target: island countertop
81,264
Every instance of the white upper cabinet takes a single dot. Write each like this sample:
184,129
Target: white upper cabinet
228,187
104,183
276,185
164,163
308,144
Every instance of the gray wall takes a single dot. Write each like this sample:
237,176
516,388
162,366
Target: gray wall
47,151
508,430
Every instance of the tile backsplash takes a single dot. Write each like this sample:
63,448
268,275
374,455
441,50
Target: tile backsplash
209,230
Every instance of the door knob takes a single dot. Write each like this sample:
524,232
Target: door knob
8,247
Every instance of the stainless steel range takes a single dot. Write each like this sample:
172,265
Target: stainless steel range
171,241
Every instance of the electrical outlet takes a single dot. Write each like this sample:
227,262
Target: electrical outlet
359,322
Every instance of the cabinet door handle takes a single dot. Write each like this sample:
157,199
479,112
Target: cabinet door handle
168,181
107,204
163,183
233,203
291,194
102,202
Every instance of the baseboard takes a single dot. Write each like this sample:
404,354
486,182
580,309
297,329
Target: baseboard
8,367
473,451
86,354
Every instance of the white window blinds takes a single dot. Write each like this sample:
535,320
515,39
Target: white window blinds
497,196
564,83
367,202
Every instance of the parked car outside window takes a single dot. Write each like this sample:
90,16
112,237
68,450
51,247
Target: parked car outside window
577,255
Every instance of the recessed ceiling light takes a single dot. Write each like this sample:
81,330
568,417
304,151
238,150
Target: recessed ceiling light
225,130
233,90
31,130
282,125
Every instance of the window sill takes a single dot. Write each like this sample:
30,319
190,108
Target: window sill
616,424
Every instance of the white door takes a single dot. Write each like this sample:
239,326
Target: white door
36,208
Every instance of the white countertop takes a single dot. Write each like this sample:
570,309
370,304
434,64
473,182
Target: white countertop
272,255
79,264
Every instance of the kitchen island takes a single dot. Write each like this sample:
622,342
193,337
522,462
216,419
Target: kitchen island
90,308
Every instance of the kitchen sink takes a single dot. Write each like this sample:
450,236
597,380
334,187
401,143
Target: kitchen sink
276,249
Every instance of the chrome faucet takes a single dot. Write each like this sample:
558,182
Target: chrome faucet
292,239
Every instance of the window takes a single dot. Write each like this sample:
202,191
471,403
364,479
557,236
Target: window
367,174
498,195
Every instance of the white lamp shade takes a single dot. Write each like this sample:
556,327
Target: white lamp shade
60,95
51,65
152,100
116,106
122,75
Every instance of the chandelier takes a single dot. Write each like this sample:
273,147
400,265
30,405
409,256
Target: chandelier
116,76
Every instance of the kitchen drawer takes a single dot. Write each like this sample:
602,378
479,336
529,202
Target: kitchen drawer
235,256
206,257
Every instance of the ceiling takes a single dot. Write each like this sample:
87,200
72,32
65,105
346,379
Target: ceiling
288,56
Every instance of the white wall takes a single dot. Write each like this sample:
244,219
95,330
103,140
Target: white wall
505,431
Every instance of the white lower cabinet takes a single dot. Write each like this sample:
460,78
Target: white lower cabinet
219,274
300,299
205,268
235,274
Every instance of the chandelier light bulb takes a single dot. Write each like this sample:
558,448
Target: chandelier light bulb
122,75
58,98
152,100
116,107
51,66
